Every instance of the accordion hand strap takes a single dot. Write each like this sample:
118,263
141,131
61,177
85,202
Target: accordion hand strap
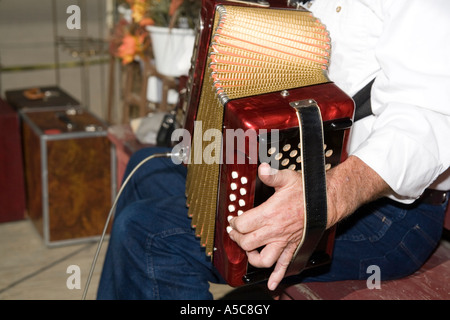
314,182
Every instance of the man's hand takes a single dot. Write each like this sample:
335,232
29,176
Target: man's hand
276,224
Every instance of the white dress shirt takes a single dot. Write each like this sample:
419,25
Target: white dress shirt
405,44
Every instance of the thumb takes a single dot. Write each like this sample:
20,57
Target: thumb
273,177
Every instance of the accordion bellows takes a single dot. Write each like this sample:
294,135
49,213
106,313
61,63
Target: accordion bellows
259,50
252,51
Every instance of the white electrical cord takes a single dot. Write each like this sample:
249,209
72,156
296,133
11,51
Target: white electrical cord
111,212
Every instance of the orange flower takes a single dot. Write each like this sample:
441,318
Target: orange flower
127,49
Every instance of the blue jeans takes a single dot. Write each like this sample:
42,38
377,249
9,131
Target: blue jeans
153,252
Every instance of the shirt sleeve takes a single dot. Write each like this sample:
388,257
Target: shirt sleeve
407,141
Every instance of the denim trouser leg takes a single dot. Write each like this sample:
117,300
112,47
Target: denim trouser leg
396,238
153,252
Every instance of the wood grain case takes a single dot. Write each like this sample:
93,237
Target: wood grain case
69,178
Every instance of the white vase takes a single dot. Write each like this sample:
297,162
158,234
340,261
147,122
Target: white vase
172,49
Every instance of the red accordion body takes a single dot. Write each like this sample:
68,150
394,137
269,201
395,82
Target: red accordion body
259,113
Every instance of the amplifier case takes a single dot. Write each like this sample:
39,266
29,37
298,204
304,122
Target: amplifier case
70,181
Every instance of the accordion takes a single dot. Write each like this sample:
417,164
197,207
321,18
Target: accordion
258,78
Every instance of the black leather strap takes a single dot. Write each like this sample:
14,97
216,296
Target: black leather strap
434,197
314,182
363,106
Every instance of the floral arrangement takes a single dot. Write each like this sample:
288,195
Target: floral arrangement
130,37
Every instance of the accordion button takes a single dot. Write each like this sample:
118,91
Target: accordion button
234,175
328,153
286,147
231,208
232,197
272,150
243,192
233,186
241,203
338,9
244,180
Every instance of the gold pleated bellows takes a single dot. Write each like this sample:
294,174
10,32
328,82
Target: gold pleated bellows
257,51
252,51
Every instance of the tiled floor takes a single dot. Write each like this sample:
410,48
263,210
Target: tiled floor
31,271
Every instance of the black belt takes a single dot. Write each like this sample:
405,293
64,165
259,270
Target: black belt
434,197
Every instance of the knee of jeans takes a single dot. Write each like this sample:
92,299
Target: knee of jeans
128,225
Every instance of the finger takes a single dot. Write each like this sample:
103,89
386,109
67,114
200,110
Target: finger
265,258
253,240
276,178
280,269
240,240
250,220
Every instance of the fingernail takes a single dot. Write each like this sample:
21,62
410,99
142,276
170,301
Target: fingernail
272,286
267,170
229,229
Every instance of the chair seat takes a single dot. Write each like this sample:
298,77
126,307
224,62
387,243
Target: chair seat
431,282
